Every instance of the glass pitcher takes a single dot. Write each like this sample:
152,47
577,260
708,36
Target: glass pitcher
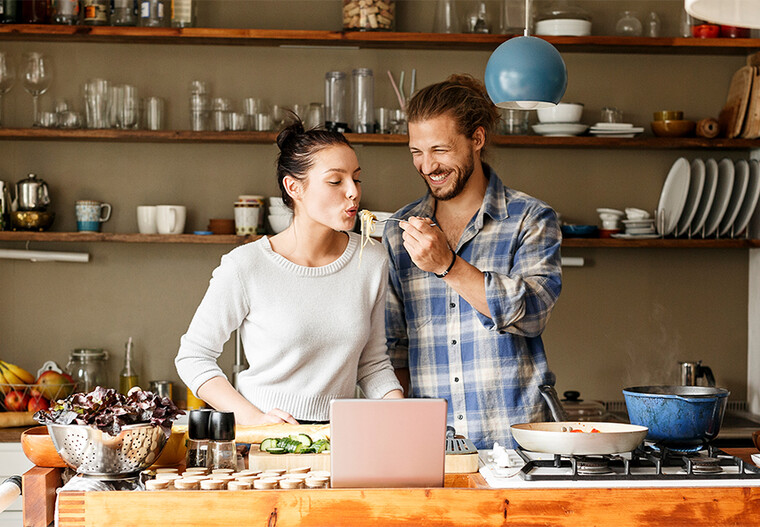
89,368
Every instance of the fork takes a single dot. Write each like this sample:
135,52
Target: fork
399,219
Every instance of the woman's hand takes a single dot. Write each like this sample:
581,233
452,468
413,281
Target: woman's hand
275,415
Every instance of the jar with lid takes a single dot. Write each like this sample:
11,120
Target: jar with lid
183,13
222,450
95,12
124,13
363,101
65,12
561,18
89,368
369,15
151,13
336,114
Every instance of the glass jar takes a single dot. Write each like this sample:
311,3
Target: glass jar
124,13
95,12
88,368
151,13
183,13
628,24
363,102
336,116
65,12
369,15
561,18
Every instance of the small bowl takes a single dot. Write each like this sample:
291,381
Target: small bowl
31,220
673,128
633,213
579,231
607,233
279,222
564,112
221,226
668,115
39,449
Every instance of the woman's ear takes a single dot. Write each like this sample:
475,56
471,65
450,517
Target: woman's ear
293,187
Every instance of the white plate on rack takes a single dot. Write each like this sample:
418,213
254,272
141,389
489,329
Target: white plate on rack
612,126
708,195
559,129
696,184
673,196
617,131
741,181
750,199
722,195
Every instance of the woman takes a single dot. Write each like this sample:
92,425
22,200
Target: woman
311,318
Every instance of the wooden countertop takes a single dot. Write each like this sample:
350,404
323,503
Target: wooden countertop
465,500
12,435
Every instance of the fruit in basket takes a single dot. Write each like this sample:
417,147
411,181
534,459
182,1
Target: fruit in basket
20,373
16,401
36,404
53,385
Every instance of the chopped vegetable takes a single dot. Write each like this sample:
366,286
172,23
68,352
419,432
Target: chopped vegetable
295,444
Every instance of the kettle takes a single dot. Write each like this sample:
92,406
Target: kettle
31,194
691,372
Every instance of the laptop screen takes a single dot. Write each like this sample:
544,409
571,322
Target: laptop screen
387,442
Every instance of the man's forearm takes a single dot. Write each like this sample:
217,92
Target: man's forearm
469,282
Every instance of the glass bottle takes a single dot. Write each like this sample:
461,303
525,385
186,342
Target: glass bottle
183,13
479,21
95,12
336,116
9,11
222,451
446,19
197,438
65,12
653,25
34,11
128,377
124,13
151,13
363,101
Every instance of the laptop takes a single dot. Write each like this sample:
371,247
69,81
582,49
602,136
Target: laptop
387,442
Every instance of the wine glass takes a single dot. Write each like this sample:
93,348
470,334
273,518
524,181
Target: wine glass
7,78
38,73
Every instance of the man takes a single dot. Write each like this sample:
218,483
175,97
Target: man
474,273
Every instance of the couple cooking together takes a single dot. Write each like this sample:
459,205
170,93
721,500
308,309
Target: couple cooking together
452,305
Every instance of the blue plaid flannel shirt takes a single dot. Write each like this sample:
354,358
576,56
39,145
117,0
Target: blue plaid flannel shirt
488,369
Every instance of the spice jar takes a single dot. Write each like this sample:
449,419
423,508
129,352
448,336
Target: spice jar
88,368
369,15
222,450
197,439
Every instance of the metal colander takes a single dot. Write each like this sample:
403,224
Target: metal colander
95,453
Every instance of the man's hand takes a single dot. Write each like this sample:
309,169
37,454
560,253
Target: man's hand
426,244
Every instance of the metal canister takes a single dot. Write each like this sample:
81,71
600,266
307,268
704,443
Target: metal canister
162,388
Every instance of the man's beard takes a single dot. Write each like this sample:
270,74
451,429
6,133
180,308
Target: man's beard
462,177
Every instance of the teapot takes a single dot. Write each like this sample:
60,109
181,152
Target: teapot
691,372
31,194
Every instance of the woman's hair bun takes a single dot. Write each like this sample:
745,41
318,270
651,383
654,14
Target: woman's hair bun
291,131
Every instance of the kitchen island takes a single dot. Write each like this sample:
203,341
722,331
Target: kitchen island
466,499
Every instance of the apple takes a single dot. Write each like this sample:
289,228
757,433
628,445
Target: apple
705,31
16,401
51,385
37,403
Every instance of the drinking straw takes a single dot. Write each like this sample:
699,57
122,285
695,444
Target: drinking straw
395,88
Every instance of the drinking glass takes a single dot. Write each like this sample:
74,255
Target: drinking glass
446,19
38,73
7,78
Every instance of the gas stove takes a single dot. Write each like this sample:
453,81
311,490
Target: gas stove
647,466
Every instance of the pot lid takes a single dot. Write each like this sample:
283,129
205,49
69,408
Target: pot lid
575,406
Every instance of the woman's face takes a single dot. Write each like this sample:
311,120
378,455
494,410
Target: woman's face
330,193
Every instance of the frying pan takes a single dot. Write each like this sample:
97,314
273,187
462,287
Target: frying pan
556,437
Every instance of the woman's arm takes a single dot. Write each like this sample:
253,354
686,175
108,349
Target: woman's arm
219,393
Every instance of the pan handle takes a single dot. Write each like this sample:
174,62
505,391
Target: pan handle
552,399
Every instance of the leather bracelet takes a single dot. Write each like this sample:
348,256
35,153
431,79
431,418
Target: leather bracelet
453,261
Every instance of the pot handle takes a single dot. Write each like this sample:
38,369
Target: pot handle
552,399
707,372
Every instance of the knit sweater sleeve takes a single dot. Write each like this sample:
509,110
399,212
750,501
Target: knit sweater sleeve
375,375
223,308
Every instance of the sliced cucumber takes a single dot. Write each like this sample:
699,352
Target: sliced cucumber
304,439
277,451
270,442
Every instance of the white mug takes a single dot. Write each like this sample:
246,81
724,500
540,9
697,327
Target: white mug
170,219
146,219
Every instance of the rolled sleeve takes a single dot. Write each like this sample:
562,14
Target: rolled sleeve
522,300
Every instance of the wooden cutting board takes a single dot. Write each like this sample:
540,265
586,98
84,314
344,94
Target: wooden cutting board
732,115
258,460
751,129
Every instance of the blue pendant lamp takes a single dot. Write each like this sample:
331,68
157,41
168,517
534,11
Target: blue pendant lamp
526,73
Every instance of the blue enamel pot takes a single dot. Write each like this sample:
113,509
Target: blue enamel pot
678,417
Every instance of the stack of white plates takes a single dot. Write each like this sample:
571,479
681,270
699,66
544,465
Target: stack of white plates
559,129
615,130
638,225
708,198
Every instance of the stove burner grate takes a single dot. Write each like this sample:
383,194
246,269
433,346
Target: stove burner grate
703,465
587,465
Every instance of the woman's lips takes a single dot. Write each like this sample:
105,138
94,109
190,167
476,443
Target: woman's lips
352,212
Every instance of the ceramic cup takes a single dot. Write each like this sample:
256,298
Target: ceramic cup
247,217
146,219
170,219
90,214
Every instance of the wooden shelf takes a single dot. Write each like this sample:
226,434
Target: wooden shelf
379,39
231,239
521,141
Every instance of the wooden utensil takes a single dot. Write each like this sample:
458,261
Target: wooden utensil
732,115
38,447
752,120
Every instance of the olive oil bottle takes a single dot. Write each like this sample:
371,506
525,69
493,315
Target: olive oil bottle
128,376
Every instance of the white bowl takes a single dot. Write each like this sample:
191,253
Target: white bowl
276,202
280,211
572,27
636,214
564,112
279,222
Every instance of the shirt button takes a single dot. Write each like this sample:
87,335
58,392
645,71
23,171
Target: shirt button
456,379
453,342
452,305
460,417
